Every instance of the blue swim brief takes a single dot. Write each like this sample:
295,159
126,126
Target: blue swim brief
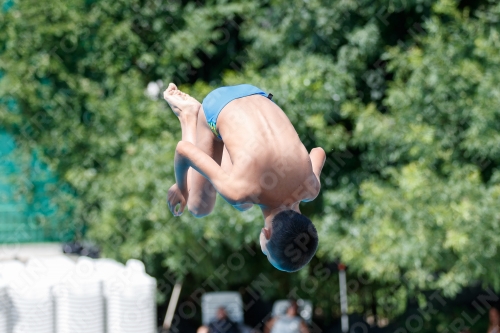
216,100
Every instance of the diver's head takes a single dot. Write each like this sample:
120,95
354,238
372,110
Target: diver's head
290,242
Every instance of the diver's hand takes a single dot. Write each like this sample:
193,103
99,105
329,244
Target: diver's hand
175,197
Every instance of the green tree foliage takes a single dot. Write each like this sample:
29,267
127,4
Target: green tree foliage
403,96
429,205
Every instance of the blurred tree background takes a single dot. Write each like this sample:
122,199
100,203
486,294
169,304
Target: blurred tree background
403,95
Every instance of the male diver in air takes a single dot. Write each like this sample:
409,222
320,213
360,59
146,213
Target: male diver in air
240,144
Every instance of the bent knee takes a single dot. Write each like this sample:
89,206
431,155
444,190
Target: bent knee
200,205
198,212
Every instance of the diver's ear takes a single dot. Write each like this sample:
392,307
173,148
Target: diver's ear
267,233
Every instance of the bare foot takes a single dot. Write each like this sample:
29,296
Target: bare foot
181,103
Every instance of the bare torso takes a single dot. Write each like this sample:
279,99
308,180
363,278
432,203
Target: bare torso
269,160
267,165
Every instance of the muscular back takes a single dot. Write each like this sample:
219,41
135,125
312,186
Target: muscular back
269,160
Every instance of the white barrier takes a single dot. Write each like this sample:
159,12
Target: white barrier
79,300
4,307
130,295
49,295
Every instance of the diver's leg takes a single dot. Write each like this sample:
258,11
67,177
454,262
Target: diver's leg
226,164
202,193
186,108
195,130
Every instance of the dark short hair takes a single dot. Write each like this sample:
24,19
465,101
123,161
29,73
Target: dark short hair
293,241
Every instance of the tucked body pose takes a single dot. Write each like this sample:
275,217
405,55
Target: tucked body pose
240,144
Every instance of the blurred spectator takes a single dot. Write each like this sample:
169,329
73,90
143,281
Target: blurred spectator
291,322
494,326
202,329
82,249
222,324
